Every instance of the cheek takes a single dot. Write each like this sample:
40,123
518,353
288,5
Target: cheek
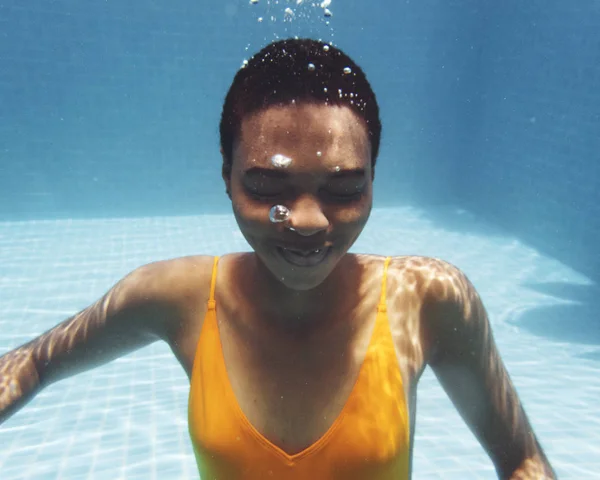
251,216
355,215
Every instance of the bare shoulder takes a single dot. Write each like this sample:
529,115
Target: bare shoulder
175,280
425,277
432,279
434,300
163,292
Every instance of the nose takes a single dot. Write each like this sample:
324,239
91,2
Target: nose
307,217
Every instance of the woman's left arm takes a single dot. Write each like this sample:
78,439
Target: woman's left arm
464,357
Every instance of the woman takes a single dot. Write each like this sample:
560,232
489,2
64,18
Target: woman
303,359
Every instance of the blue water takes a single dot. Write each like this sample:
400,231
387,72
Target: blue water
127,420
489,159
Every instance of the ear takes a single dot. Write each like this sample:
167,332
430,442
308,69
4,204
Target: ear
226,174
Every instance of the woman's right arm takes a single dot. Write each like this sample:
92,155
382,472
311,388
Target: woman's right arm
134,313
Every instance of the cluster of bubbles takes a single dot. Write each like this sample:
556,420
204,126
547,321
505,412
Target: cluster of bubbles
292,18
294,11
324,5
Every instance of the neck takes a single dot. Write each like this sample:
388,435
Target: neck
295,311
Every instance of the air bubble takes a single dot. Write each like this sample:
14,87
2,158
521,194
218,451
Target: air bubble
325,89
319,154
347,70
325,3
253,2
311,67
326,48
280,161
327,12
337,168
260,19
289,13
279,213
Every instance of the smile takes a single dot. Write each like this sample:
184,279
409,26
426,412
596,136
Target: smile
304,258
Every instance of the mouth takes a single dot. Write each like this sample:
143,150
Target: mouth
304,258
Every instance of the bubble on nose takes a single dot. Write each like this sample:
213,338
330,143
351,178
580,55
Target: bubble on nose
279,213
311,67
280,161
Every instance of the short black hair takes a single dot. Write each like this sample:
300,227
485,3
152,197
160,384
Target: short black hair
301,71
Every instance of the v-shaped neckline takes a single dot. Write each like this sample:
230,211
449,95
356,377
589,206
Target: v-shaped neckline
320,441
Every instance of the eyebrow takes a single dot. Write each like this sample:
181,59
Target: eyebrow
280,173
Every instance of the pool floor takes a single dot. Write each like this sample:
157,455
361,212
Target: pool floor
128,419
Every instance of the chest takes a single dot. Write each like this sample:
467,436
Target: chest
296,394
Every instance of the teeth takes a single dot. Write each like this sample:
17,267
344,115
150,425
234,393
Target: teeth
305,252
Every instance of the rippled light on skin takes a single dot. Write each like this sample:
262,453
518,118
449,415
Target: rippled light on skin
279,213
280,161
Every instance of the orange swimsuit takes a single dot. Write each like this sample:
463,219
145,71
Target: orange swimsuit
369,439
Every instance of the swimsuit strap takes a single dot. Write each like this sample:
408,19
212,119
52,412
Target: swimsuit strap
213,282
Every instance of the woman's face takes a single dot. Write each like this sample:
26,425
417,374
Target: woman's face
315,160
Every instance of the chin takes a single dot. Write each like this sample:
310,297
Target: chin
298,278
